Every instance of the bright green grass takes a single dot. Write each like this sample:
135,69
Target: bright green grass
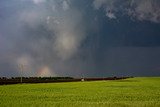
135,92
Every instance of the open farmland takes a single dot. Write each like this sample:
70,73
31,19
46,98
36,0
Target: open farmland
136,92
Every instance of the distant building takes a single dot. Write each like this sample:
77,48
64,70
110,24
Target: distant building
82,79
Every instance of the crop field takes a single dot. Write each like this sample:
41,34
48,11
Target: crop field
132,92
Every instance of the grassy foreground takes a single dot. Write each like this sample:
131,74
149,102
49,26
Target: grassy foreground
134,92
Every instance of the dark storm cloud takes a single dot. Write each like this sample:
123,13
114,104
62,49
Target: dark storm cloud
124,61
75,38
42,34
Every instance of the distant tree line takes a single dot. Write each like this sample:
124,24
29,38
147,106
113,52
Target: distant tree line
15,80
37,78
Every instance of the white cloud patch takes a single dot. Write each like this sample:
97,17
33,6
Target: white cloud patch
110,15
45,71
68,37
148,10
38,1
65,5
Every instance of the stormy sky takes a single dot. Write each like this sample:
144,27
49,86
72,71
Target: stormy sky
80,38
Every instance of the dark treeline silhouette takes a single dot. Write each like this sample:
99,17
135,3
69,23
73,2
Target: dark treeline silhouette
16,80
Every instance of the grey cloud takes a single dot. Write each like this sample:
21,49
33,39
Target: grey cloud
148,10
47,35
68,37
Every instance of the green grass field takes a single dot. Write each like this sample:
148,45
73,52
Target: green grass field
134,92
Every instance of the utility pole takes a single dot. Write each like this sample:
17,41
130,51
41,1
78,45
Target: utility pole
21,67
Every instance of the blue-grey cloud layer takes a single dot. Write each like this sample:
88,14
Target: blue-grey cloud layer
80,38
